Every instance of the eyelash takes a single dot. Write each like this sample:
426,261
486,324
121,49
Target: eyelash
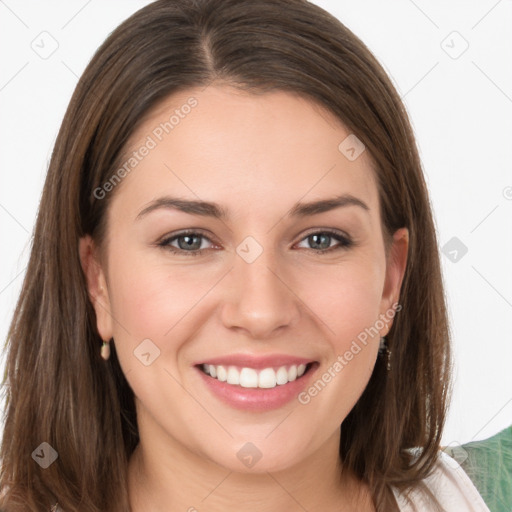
344,242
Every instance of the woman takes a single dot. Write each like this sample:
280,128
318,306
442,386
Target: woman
235,219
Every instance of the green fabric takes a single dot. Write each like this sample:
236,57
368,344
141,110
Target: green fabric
489,465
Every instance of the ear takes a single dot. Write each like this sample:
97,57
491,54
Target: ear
395,270
96,286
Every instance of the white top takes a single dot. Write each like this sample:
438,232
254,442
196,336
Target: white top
451,486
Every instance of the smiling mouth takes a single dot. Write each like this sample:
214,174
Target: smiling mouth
265,378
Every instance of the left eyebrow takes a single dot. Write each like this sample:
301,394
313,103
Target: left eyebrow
324,205
210,209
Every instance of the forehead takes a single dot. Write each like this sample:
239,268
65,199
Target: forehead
244,149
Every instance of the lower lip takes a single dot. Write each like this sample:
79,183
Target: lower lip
257,399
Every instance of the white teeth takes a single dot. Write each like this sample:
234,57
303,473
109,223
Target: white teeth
222,374
233,376
282,375
248,378
267,378
251,378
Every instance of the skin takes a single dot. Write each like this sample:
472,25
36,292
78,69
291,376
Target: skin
256,156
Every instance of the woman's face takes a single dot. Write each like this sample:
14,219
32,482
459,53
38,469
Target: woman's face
269,278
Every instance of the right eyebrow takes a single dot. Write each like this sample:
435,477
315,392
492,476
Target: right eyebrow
193,207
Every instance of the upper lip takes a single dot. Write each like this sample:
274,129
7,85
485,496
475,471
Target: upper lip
256,362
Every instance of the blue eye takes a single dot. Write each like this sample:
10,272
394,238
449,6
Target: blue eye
190,243
320,241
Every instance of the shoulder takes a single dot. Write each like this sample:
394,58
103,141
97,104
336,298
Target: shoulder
449,483
488,462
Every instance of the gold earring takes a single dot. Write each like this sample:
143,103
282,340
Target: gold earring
105,350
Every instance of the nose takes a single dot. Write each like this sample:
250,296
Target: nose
260,298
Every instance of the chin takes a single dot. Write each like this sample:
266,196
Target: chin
256,457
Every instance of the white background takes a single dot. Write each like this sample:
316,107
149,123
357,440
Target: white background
460,109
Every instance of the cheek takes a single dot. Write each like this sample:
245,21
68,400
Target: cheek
150,299
345,298
155,300
160,304
346,301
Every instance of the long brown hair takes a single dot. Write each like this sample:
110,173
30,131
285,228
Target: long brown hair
58,389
